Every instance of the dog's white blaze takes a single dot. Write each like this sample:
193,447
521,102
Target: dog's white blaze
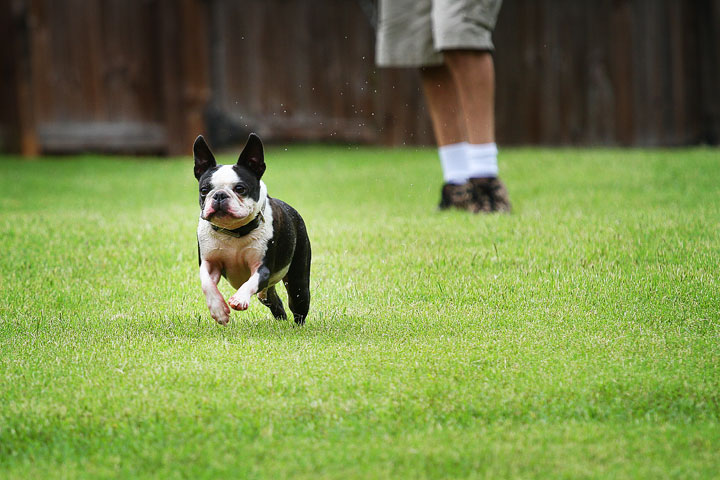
224,177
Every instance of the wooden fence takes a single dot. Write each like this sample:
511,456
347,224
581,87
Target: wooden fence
148,75
627,72
108,75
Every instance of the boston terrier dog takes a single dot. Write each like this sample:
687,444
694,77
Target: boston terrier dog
251,239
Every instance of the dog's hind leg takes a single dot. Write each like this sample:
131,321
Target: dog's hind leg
273,302
298,298
297,283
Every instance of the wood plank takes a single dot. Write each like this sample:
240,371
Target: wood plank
25,109
621,67
184,53
140,137
709,57
9,106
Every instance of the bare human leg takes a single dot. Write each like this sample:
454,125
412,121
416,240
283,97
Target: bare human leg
443,103
444,106
473,72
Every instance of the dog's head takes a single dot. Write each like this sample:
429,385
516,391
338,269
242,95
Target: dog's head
230,195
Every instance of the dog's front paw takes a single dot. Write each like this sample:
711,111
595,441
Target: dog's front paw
239,301
220,312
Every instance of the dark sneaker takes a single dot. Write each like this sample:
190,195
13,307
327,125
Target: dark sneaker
489,195
456,196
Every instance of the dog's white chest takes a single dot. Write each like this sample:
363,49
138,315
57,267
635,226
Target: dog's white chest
236,258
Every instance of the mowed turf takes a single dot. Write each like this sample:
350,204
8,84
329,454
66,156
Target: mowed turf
578,337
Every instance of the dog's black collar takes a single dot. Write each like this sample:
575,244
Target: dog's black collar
245,229
239,232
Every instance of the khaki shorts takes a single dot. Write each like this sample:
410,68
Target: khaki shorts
413,33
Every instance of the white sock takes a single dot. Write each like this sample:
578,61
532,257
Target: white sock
454,163
482,160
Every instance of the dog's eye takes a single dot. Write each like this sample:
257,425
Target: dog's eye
204,190
240,189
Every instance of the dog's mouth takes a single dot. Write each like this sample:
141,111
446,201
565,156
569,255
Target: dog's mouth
217,209
213,214
223,218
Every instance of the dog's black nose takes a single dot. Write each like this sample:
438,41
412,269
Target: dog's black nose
220,196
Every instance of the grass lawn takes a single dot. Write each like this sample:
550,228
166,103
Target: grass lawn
578,337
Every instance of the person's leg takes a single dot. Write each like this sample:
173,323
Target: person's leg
462,31
474,75
443,104
444,107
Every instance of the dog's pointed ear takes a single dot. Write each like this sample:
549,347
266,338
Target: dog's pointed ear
252,156
204,159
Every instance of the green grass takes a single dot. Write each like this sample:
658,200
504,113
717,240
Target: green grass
578,337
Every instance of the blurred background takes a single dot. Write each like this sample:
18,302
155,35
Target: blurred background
147,76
